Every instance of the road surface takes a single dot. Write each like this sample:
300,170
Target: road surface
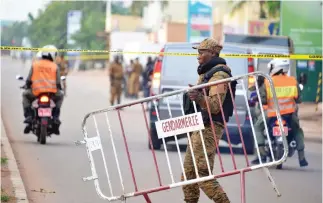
53,172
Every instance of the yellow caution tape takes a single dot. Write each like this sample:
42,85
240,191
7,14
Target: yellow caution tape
84,57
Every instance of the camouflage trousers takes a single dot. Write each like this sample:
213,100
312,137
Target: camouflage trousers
115,93
212,187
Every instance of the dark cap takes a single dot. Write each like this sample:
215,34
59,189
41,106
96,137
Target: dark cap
209,44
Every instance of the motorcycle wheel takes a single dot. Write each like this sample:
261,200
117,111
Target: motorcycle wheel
279,155
43,134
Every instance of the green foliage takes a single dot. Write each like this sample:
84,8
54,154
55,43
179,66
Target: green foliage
17,31
4,160
272,7
49,27
136,7
4,196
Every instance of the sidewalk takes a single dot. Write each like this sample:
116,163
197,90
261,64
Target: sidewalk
11,182
311,121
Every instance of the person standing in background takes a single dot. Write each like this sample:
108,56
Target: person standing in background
134,79
116,79
63,67
129,69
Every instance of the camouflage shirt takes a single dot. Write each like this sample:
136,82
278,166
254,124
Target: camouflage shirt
215,90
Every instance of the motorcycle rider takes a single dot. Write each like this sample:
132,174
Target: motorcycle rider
43,77
278,69
37,56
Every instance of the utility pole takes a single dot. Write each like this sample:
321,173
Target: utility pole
108,28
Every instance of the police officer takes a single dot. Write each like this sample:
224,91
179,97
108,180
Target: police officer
211,68
63,67
287,103
116,80
280,67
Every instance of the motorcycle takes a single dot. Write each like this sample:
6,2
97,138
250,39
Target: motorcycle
42,120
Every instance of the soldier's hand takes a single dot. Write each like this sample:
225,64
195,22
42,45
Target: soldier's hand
195,95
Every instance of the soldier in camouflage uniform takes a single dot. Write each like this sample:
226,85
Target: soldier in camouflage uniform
63,67
209,51
259,123
116,80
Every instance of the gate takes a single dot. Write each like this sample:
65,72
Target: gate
118,134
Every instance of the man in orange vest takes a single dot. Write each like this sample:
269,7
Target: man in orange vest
44,77
288,96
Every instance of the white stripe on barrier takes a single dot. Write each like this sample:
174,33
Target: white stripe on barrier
264,119
177,146
114,151
251,122
203,144
165,147
103,157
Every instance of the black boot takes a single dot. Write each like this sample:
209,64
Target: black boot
302,159
56,121
28,115
27,129
263,156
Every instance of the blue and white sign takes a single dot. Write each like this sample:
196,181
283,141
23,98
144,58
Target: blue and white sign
200,20
74,24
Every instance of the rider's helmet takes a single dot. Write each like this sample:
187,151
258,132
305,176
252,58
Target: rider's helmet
49,52
39,55
276,66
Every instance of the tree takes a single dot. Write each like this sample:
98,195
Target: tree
14,33
50,26
93,22
272,8
137,7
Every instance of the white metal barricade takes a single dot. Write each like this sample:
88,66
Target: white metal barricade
116,126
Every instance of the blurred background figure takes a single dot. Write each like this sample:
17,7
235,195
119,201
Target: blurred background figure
63,67
116,80
129,69
145,76
134,85
146,80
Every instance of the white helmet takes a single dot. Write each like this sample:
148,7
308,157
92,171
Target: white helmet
39,55
49,51
277,65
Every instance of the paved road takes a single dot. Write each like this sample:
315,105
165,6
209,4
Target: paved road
59,166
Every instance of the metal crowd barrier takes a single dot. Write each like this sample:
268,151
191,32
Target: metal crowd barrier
116,130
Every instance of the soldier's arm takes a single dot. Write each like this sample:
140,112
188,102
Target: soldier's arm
252,88
111,72
263,94
58,78
28,79
215,90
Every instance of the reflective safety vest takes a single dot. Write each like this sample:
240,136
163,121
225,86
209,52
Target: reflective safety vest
44,73
286,92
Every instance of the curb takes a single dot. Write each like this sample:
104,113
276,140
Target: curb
15,177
